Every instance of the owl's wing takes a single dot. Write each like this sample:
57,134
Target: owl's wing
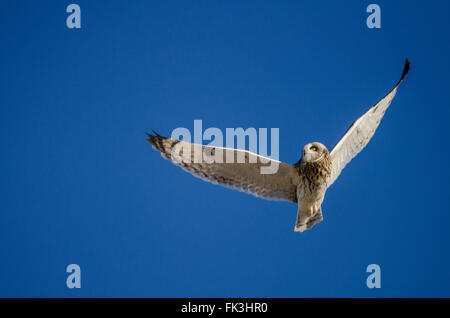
360,132
245,176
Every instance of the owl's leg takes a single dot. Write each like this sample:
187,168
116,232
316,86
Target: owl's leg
313,209
305,219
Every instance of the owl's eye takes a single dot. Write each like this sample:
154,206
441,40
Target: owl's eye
313,148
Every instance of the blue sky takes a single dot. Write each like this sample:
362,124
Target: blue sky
81,185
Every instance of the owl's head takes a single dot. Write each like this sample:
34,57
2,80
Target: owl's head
314,152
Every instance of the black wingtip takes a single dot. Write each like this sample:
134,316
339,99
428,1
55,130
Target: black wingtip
154,139
151,138
155,134
405,71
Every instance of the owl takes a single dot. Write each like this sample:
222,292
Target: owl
304,182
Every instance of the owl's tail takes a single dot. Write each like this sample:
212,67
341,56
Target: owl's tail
305,222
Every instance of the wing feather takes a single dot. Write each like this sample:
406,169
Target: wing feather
245,176
361,131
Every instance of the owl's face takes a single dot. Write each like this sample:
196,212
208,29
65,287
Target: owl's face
314,152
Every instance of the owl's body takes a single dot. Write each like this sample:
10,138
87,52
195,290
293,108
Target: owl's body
304,183
314,169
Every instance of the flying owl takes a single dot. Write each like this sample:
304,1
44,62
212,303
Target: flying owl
304,182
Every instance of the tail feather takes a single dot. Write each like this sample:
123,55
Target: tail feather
305,222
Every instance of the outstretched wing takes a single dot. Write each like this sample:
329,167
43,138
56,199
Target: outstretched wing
360,132
243,173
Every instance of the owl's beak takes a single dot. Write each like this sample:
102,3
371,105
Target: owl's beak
307,157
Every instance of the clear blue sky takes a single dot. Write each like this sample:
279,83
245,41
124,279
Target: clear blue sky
79,183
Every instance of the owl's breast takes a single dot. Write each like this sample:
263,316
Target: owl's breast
314,178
